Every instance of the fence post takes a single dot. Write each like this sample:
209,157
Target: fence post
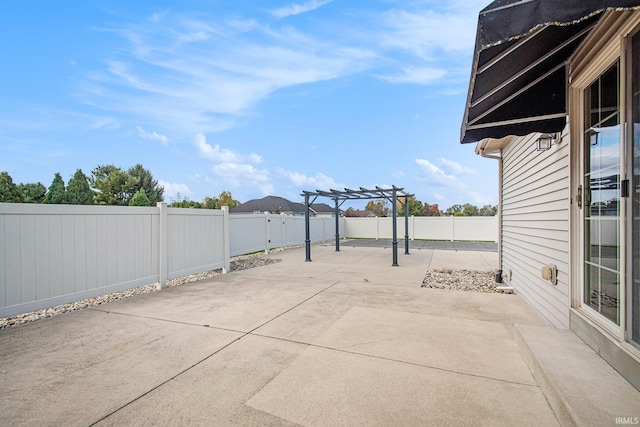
283,233
453,228
226,243
267,231
163,242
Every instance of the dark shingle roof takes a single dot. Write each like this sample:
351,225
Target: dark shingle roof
275,204
270,204
321,208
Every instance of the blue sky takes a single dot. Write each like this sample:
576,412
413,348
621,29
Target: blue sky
253,97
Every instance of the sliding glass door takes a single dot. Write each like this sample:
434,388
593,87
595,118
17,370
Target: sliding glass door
601,184
633,312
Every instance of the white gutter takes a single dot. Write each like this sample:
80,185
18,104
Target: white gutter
480,150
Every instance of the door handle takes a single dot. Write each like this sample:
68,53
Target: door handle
579,197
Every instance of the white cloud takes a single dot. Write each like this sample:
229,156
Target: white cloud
434,173
232,169
223,155
319,181
415,75
435,176
397,174
202,75
456,167
152,136
199,179
244,175
171,189
423,32
297,9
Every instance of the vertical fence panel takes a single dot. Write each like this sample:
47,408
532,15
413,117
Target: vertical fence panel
361,228
3,257
12,260
247,233
42,258
91,250
102,250
68,255
153,268
28,257
195,241
80,248
55,255
130,238
432,228
138,245
275,231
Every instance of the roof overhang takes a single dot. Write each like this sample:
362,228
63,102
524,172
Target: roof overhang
518,79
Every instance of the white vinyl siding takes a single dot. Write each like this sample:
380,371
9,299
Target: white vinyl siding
535,224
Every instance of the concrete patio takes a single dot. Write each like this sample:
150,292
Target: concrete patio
343,340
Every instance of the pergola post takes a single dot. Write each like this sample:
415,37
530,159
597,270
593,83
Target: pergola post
394,242
406,225
307,232
337,215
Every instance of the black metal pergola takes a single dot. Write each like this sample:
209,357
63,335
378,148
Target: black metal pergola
393,194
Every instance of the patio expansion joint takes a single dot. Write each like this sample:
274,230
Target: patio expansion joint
244,334
159,319
404,362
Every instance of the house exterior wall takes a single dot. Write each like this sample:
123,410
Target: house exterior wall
535,224
545,196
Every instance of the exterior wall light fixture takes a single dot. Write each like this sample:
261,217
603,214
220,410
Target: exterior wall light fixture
545,141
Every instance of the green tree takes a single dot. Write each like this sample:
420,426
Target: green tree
469,210
9,192
455,210
56,192
209,203
378,207
140,199
184,202
488,210
153,190
33,192
431,210
415,207
79,191
462,210
113,186
226,199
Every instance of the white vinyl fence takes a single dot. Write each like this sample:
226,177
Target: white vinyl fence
261,232
57,254
453,228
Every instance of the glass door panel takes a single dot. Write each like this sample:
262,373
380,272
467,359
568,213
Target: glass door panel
633,332
601,182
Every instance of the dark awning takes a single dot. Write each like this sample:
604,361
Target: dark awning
518,76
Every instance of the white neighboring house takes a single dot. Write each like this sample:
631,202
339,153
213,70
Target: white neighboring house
570,183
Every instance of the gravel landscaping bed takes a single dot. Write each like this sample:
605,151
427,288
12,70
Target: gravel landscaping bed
237,263
463,280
